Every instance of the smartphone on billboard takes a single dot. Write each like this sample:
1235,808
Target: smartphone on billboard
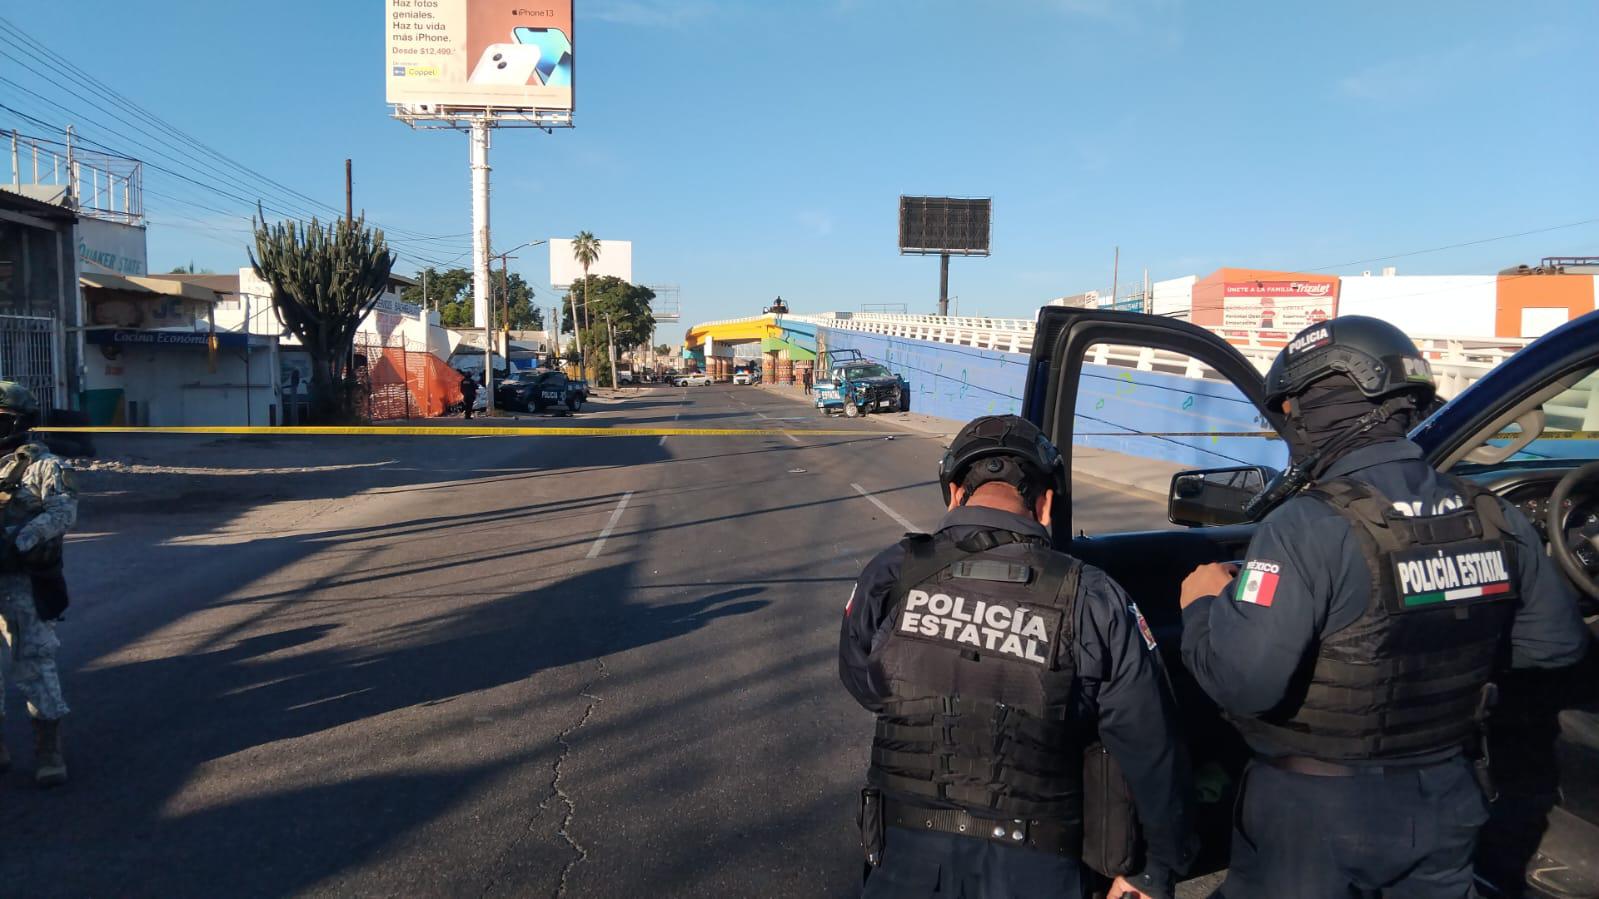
507,64
555,53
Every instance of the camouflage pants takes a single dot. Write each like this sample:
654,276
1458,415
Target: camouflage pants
32,644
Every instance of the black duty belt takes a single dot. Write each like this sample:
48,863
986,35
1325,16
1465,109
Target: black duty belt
1055,837
1301,764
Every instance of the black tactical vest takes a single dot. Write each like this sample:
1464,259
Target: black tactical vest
979,661
1407,677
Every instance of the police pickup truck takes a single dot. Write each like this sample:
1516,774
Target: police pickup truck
858,386
1527,430
541,390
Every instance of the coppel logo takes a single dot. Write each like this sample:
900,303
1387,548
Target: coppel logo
399,71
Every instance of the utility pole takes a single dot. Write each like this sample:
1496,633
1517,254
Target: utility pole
1149,302
555,332
610,330
425,304
1115,276
349,195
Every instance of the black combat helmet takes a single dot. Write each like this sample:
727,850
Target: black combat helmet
19,412
1010,449
1379,358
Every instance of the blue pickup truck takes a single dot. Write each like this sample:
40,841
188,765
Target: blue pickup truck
1528,430
858,386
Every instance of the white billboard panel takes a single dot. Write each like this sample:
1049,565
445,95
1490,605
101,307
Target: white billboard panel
112,247
479,53
616,259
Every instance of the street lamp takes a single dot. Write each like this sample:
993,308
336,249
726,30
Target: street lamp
488,332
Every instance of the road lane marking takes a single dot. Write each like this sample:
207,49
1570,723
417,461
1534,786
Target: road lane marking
792,436
909,528
674,418
616,515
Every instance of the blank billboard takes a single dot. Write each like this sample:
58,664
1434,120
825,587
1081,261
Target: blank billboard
615,259
954,225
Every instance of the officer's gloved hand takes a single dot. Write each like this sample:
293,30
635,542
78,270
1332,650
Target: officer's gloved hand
1141,886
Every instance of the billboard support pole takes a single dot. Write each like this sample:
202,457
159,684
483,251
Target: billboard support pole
481,286
943,284
480,222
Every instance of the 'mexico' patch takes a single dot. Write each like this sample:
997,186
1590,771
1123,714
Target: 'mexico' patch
1009,630
1465,573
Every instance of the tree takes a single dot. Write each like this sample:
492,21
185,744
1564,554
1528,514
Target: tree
662,349
450,292
190,270
626,306
324,280
585,250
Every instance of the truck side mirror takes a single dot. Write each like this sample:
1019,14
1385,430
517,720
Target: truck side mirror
1215,496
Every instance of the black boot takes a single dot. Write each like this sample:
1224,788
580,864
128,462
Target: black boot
50,766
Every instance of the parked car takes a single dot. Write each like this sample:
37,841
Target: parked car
858,386
540,390
1523,431
745,377
698,379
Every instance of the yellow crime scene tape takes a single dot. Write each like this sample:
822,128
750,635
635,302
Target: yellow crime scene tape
462,431
1273,435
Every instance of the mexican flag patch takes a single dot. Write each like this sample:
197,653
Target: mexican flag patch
1258,584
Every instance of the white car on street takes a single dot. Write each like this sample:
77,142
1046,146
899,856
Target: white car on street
743,377
694,380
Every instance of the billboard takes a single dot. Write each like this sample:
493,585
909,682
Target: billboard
1289,306
939,225
479,54
616,259
111,247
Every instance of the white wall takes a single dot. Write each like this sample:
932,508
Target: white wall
1174,297
177,388
1425,305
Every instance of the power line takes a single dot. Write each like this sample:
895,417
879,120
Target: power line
34,48
225,185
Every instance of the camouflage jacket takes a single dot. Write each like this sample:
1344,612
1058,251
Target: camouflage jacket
41,503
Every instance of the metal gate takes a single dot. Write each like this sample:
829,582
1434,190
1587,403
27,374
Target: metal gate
28,354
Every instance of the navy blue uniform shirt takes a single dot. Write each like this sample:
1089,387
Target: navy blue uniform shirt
1244,653
1120,683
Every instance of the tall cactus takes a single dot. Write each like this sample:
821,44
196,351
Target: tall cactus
325,279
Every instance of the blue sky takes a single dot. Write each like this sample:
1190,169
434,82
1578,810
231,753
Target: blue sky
751,149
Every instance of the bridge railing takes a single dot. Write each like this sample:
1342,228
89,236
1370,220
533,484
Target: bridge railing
1457,361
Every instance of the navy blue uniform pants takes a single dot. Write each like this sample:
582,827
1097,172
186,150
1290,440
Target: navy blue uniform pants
918,864
1409,833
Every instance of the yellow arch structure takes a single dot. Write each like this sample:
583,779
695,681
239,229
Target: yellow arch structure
737,330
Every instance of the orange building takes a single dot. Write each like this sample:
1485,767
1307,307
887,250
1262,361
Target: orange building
1530,302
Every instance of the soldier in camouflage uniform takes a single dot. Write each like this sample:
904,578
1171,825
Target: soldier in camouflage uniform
40,505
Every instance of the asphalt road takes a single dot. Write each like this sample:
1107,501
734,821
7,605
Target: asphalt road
484,666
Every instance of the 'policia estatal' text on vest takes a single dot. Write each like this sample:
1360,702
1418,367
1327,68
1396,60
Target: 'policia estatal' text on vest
1406,678
979,661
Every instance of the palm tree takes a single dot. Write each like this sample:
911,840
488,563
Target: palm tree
585,250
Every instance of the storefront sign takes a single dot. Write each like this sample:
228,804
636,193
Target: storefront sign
227,340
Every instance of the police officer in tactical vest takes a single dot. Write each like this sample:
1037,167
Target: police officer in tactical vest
1355,648
1001,672
38,505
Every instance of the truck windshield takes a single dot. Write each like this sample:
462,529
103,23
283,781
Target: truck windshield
869,371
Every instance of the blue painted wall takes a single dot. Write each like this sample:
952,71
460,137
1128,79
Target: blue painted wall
1116,407
947,381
